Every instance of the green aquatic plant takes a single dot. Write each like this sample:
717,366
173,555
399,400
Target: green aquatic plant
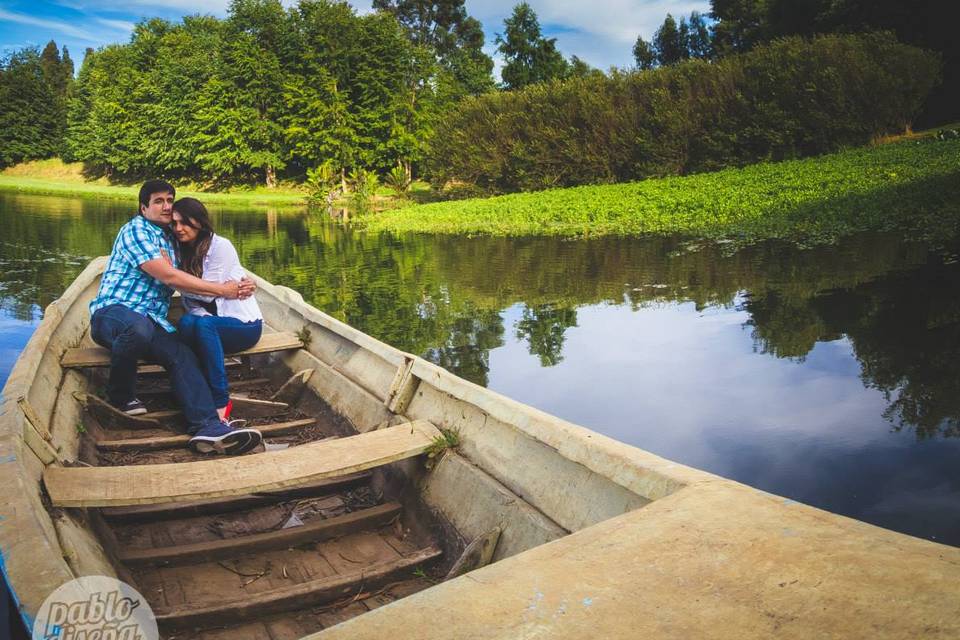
911,187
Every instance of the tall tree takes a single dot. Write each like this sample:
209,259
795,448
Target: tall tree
669,41
644,54
238,117
528,56
455,38
31,114
699,38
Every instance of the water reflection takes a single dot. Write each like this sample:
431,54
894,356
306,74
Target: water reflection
815,374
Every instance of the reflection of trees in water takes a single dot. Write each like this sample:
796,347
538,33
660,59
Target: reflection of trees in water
466,350
443,296
544,327
785,327
905,331
907,340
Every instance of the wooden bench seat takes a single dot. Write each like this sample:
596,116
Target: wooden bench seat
100,357
228,476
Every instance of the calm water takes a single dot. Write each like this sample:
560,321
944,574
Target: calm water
830,376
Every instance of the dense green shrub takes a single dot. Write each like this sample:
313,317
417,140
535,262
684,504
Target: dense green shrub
788,99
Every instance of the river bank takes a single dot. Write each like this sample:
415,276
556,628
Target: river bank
56,178
911,186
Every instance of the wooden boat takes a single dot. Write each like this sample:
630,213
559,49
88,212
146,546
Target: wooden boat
385,478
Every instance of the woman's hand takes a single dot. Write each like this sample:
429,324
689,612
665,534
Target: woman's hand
246,288
238,289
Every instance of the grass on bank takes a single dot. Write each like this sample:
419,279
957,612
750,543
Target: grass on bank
912,186
55,177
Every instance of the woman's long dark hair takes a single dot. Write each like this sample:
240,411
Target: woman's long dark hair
195,214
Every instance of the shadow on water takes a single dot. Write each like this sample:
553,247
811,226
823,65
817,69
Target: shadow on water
874,317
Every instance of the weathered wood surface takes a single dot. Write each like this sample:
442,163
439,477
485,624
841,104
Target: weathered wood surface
174,510
281,538
478,554
235,385
243,407
100,357
292,597
293,388
155,443
110,417
157,370
149,484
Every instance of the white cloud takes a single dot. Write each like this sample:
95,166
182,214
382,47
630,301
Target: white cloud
54,25
119,25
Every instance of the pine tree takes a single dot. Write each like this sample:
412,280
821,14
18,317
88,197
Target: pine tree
669,42
528,56
644,54
30,114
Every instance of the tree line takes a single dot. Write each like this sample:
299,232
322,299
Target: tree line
270,92
738,26
787,99
33,102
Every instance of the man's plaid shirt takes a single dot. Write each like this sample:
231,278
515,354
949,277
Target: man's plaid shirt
125,283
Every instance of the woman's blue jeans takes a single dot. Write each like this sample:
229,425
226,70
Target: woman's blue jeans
211,337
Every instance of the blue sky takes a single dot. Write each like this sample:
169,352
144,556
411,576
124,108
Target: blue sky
601,32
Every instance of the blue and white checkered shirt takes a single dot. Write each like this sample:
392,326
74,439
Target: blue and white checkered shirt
125,283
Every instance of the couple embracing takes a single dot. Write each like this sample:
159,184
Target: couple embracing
170,245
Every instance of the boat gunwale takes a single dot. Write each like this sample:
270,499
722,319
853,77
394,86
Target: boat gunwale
23,569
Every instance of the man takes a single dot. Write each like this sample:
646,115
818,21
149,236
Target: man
129,317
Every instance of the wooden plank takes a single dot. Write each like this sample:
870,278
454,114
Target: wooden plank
279,539
248,408
110,417
176,510
155,369
293,388
235,385
100,357
242,408
312,593
156,483
169,442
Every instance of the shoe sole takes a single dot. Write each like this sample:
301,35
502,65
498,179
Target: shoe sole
136,412
231,444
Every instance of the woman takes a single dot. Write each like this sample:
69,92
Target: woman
212,326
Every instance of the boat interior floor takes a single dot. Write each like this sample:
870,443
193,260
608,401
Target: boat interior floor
273,565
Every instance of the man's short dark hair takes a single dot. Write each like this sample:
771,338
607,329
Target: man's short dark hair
151,187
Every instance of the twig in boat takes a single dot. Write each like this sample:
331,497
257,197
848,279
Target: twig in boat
253,579
253,576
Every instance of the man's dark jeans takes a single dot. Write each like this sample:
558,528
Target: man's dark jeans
130,336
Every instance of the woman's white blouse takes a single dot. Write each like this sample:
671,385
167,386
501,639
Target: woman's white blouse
220,265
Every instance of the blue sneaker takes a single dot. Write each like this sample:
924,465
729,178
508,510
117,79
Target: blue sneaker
220,438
